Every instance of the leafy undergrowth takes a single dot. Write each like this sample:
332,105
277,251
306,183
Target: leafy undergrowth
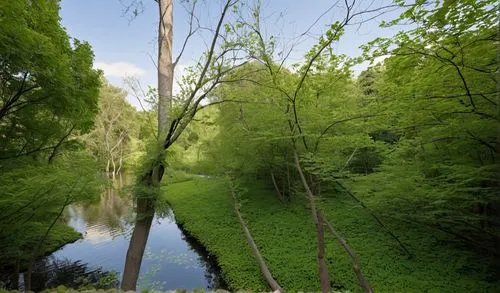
59,236
285,236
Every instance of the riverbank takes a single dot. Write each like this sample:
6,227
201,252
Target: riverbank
286,238
60,235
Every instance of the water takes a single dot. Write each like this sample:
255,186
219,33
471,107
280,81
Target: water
172,259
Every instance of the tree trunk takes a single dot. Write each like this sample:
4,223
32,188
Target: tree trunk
280,195
137,245
114,166
121,160
323,269
165,65
260,260
17,268
27,277
288,181
354,258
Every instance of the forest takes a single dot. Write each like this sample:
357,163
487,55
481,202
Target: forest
298,176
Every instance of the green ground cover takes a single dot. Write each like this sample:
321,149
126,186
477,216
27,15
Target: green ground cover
285,236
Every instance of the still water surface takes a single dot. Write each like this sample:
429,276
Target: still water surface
172,259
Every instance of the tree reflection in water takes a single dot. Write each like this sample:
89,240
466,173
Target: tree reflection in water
52,272
173,260
135,252
109,215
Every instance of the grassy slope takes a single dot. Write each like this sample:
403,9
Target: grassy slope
285,235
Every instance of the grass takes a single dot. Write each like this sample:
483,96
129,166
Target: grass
285,236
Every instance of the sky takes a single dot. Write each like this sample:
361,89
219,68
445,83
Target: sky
126,46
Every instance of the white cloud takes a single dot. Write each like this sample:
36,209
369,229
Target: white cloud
120,69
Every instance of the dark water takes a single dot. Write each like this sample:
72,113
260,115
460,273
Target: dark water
172,259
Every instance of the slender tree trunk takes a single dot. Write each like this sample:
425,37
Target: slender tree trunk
114,166
121,161
165,65
137,245
145,206
17,268
284,190
107,168
27,276
280,196
288,181
260,260
323,268
356,266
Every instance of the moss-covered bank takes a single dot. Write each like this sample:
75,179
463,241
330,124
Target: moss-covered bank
286,238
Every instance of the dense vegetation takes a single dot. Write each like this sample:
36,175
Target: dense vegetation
48,97
400,162
284,235
408,148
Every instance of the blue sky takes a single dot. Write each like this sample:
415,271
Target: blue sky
123,47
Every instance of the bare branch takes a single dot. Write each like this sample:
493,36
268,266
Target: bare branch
192,31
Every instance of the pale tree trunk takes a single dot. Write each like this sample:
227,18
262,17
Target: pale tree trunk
107,168
114,165
121,160
145,206
165,65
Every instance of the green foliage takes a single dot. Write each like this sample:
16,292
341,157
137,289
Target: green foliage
217,229
413,140
33,197
286,238
440,86
48,88
48,97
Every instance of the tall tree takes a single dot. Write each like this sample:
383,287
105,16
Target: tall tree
115,126
165,64
219,60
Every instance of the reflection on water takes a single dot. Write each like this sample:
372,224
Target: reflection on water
52,272
172,259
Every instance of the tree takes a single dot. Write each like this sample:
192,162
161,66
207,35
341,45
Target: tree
48,96
440,81
49,89
219,60
115,128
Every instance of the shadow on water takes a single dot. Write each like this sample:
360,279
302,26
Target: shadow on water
213,273
51,272
146,249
